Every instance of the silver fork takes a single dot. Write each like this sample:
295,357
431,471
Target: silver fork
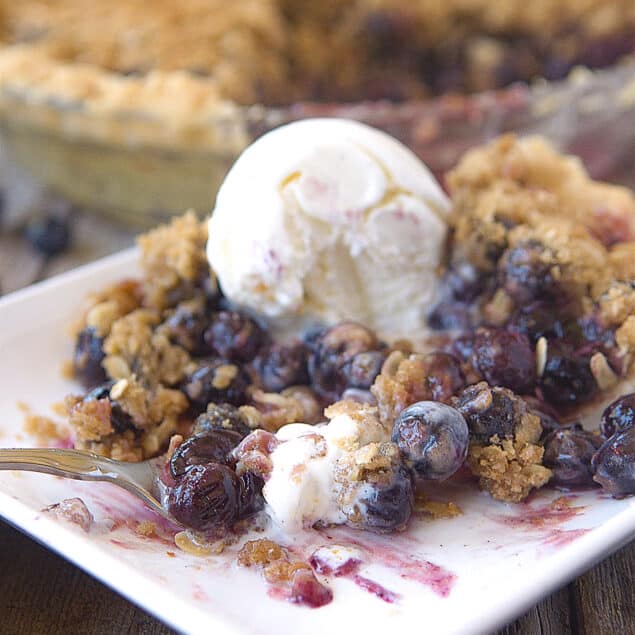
140,479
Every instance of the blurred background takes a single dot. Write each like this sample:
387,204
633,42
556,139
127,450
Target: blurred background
115,116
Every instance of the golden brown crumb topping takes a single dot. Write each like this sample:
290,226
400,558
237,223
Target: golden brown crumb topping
407,378
237,46
400,383
521,191
279,51
135,347
509,471
142,424
276,410
505,451
45,429
271,558
102,308
171,255
514,190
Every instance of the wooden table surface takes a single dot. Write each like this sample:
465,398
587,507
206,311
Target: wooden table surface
42,593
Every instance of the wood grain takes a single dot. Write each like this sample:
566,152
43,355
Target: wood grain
43,594
552,616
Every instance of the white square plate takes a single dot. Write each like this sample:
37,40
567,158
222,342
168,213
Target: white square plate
468,574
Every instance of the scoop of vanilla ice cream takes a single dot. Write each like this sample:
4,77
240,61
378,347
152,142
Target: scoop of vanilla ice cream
334,220
301,488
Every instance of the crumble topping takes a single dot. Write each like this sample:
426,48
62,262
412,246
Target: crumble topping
513,191
526,215
173,257
271,558
508,470
45,429
143,422
135,347
275,409
618,303
238,48
405,379
103,308
400,383
146,528
505,451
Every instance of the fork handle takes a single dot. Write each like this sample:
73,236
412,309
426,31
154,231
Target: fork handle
137,478
76,464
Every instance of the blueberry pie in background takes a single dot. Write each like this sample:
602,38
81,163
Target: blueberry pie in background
151,102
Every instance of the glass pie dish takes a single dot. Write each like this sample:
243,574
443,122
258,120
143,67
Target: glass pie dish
143,165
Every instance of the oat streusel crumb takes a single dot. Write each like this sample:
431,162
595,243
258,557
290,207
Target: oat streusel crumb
276,410
510,468
172,256
509,472
146,528
400,383
103,307
136,346
517,190
45,429
272,559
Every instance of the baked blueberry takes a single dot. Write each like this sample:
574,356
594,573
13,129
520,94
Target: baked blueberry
568,454
387,502
234,336
444,376
433,439
525,272
332,352
216,381
279,366
87,358
489,411
618,415
221,416
548,319
186,326
504,358
463,281
214,446
250,498
206,497
614,464
567,377
450,315
363,369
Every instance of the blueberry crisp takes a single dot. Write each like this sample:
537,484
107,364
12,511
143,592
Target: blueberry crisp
534,324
